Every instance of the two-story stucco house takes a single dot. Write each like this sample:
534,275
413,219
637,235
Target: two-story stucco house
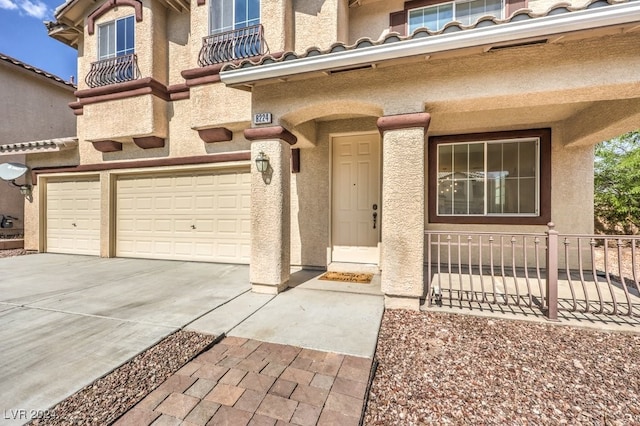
35,119
374,121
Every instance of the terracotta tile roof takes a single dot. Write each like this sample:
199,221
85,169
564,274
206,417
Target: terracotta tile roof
28,67
47,145
451,27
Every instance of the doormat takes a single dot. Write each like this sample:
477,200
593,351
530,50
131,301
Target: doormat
349,277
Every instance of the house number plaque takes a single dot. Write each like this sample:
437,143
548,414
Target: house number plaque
262,118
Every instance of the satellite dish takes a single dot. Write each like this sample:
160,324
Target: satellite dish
12,171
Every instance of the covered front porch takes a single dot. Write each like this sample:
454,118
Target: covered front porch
513,125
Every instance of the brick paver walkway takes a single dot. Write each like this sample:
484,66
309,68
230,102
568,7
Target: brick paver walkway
247,382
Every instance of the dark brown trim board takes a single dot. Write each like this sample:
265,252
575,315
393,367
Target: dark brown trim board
107,6
545,177
404,121
178,92
273,132
216,134
211,73
107,146
295,160
128,89
149,142
161,162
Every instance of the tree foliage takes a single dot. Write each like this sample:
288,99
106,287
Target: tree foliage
617,183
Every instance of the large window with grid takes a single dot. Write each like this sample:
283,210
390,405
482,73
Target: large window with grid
467,12
228,15
116,38
478,180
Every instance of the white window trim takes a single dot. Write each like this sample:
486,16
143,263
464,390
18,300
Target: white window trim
485,143
115,26
454,9
233,19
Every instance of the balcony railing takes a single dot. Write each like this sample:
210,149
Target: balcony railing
233,45
113,70
550,272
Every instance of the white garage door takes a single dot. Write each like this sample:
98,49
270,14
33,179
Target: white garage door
202,216
73,217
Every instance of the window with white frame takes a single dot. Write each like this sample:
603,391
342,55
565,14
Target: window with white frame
227,15
490,178
116,38
466,12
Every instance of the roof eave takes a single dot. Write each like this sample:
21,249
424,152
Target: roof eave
512,32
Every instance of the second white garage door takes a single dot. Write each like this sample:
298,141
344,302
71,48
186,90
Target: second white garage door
201,216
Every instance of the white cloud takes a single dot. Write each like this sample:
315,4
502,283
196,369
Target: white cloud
8,4
36,8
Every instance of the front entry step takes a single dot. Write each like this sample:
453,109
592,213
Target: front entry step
363,268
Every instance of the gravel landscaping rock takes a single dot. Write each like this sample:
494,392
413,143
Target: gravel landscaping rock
13,252
109,397
437,368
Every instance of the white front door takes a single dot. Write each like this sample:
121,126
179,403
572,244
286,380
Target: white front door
355,233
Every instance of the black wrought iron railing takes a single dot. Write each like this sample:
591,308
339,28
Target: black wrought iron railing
232,45
113,70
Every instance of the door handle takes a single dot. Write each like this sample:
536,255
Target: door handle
375,218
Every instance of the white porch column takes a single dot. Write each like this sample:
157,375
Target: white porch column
270,209
403,208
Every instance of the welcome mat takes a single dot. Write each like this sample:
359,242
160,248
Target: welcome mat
349,277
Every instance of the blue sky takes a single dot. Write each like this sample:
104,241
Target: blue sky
23,36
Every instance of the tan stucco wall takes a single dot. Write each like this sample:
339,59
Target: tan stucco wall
320,23
179,38
215,105
32,108
131,117
270,225
371,20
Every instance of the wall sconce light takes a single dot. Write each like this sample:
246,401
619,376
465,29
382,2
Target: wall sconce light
262,162
25,190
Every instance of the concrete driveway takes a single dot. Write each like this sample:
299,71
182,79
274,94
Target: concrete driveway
67,320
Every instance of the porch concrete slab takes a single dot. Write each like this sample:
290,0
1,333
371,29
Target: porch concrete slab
330,321
229,315
47,356
170,296
312,281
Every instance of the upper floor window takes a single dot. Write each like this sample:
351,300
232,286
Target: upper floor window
466,12
228,15
116,38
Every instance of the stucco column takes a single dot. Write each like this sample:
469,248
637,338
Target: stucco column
403,208
270,209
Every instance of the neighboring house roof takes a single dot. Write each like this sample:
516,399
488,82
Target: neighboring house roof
9,59
525,25
47,145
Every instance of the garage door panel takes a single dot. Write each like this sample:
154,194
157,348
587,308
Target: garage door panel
73,217
200,216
